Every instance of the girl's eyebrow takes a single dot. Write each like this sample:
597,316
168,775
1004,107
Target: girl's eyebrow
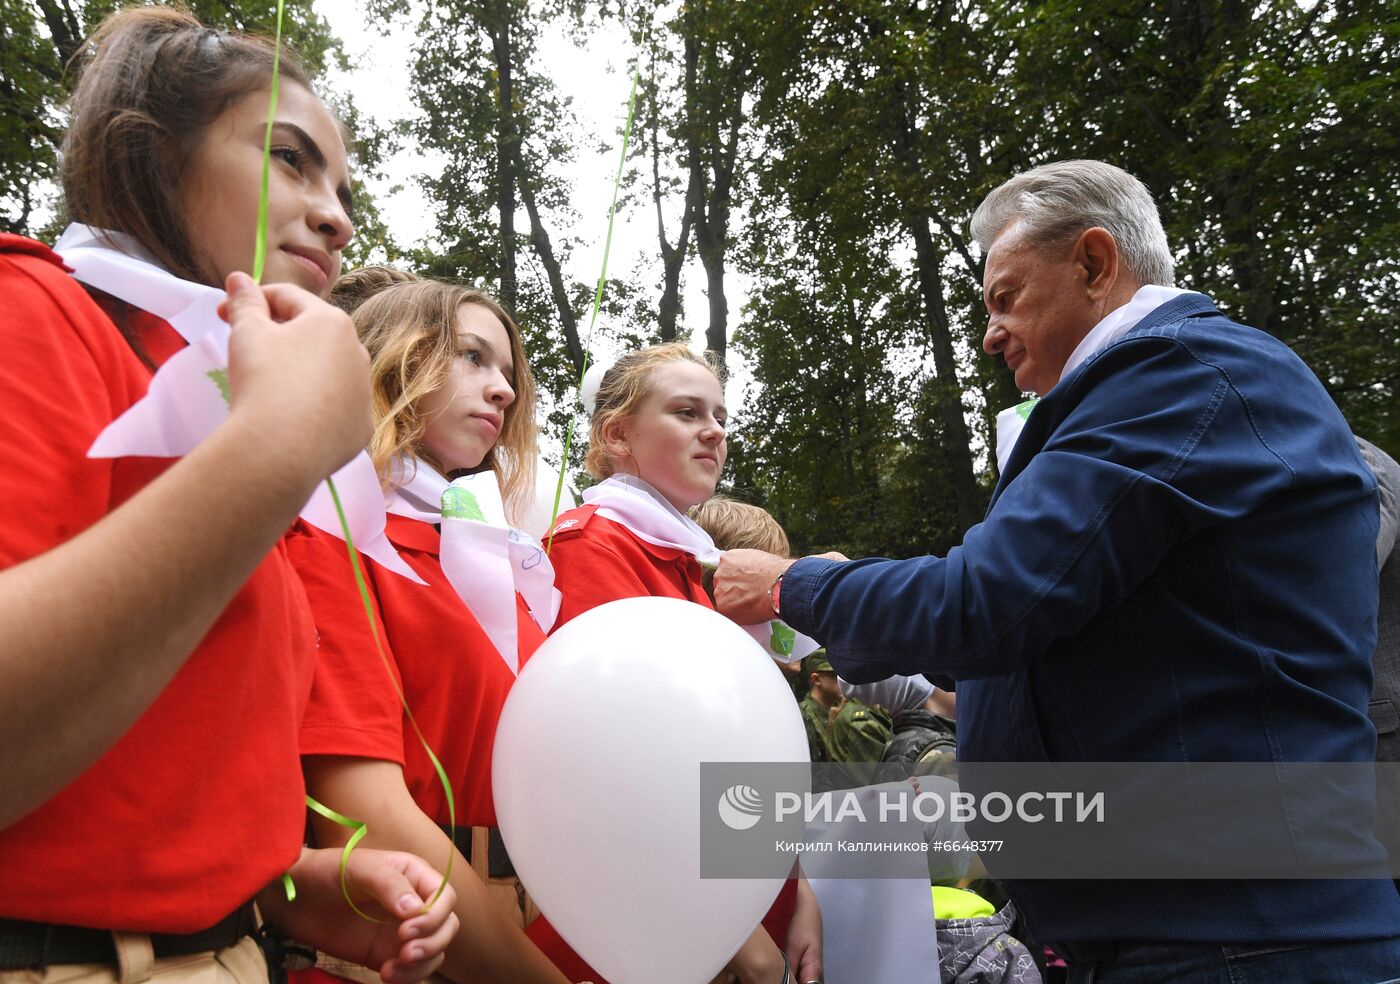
683,398
318,160
312,148
472,339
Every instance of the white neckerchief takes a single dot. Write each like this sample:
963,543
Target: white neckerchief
485,560
1112,327
187,398
116,263
1009,425
629,500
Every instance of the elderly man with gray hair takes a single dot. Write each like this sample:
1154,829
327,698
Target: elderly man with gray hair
1177,566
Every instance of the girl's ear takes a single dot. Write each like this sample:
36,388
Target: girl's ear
615,438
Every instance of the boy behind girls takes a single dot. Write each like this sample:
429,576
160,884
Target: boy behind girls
735,525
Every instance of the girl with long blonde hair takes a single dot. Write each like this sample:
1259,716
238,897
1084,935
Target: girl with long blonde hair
454,444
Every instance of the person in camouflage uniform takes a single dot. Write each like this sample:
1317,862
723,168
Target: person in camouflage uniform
839,729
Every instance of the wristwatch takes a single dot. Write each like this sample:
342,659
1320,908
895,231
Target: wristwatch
774,591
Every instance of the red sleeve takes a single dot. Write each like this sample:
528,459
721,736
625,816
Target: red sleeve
351,711
55,397
588,573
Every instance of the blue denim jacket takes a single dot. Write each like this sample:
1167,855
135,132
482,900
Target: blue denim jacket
1177,565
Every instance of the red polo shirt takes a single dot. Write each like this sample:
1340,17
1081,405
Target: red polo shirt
199,805
597,560
455,681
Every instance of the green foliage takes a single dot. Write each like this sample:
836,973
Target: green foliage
501,156
1267,132
831,155
30,73
871,120
1270,134
39,37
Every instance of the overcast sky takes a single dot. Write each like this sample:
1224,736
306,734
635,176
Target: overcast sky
597,80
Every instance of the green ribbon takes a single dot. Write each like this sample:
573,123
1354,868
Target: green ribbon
220,376
360,829
597,302
260,246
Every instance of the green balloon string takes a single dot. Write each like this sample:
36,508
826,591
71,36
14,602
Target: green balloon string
413,722
220,377
260,244
597,302
360,829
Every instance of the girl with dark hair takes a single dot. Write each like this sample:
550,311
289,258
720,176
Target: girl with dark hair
156,649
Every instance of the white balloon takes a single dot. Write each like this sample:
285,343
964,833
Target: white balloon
597,782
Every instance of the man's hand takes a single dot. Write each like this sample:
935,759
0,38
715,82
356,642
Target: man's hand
389,885
742,581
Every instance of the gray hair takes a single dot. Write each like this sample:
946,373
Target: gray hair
1060,200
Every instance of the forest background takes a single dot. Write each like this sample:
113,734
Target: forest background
811,167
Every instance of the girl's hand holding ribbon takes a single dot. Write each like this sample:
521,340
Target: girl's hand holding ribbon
389,885
297,370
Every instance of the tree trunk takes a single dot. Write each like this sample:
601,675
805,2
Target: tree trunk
544,249
711,250
714,180
64,28
867,478
672,257
507,150
957,447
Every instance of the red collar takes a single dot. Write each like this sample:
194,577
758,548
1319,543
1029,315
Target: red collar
412,534
10,243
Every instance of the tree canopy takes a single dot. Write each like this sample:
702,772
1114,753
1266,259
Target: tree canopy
812,167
